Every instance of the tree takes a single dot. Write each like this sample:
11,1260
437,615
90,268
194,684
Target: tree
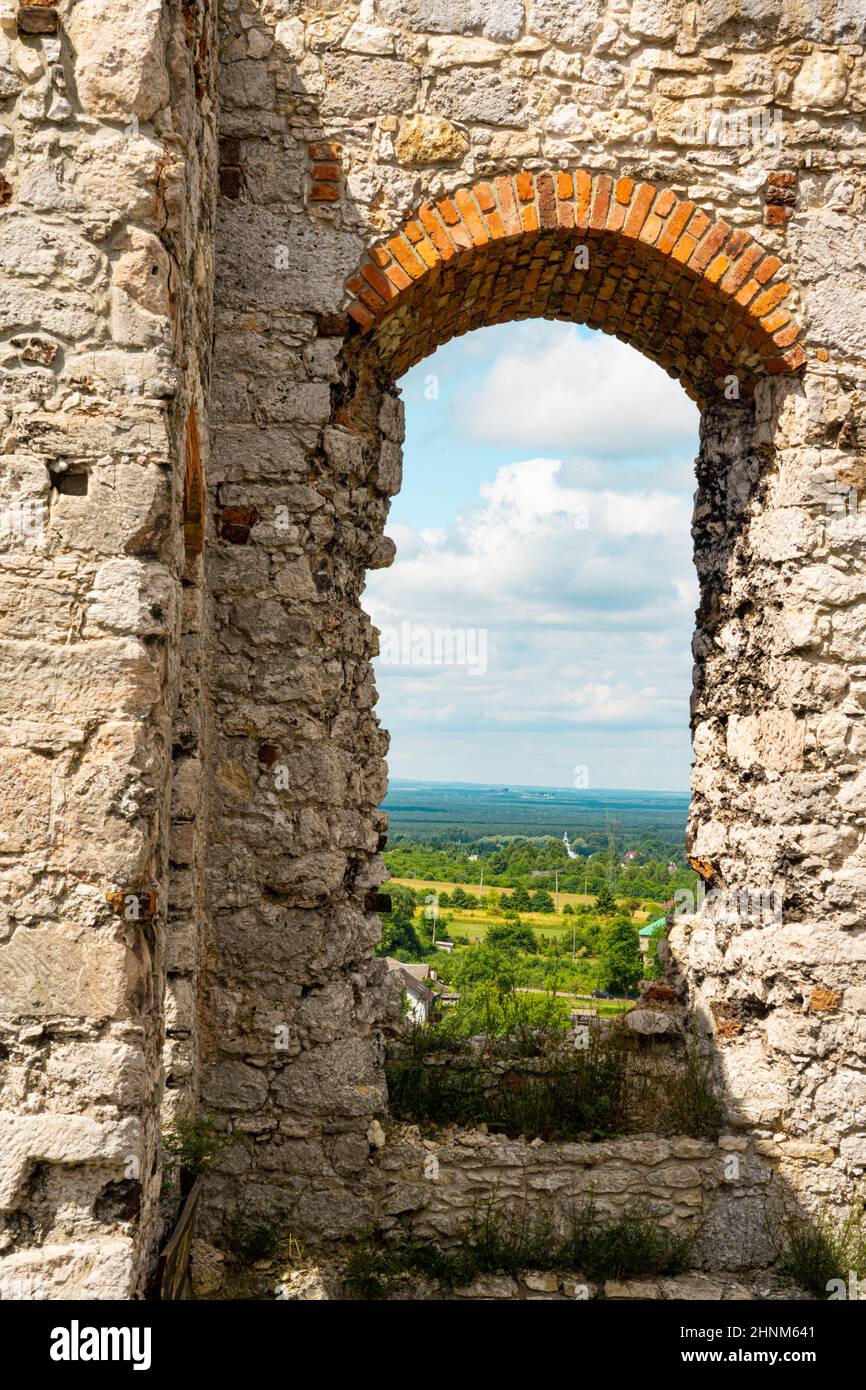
460,898
511,936
542,901
399,937
604,902
568,910
620,959
653,966
520,900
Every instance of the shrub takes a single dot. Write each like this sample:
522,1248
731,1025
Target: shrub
191,1147
817,1250
508,1239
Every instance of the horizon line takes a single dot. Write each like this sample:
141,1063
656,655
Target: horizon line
538,786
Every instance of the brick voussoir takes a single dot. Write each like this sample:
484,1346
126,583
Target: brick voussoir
697,296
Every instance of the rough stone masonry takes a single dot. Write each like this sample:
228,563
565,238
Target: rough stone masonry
224,236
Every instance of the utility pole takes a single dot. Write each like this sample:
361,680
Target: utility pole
481,884
556,902
574,939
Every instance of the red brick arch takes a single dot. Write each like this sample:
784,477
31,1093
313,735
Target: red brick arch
699,297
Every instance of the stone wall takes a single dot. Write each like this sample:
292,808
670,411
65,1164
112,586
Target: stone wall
409,165
198,734
719,1191
108,135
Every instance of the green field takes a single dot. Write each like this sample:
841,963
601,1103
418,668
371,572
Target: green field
547,923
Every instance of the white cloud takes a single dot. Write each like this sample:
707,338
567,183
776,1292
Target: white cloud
586,590
573,395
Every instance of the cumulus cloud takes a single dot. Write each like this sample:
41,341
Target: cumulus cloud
568,393
586,592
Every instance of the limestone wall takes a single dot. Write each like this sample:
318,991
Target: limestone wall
199,733
342,124
107,131
718,1191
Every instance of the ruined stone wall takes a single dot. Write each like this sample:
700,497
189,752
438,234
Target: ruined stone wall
107,136
719,1192
174,666
344,129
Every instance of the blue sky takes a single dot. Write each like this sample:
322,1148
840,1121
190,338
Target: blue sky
544,518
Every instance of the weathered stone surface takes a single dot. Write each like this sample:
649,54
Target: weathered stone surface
120,68
429,139
149,694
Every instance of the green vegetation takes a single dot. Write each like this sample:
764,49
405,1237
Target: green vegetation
630,844
500,1240
819,1251
540,1086
503,958
620,958
191,1147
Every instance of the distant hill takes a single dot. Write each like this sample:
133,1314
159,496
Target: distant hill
424,810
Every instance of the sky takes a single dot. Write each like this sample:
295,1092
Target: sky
537,621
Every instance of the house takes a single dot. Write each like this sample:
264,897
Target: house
418,996
646,932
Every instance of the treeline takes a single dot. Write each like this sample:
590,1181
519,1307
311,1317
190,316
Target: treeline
656,871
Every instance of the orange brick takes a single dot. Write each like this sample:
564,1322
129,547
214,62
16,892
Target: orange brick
529,213
616,216
769,299
777,319
362,316
383,287
651,229
328,173
684,248
741,268
601,201
546,200
712,242
664,202
484,197
746,292
436,232
324,193
448,212
639,209
472,217
776,215
508,204
564,185
583,195
428,253
767,269
413,232
525,187
678,219
398,277
406,257
624,190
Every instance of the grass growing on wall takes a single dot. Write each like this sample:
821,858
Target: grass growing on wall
545,1088
630,1245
